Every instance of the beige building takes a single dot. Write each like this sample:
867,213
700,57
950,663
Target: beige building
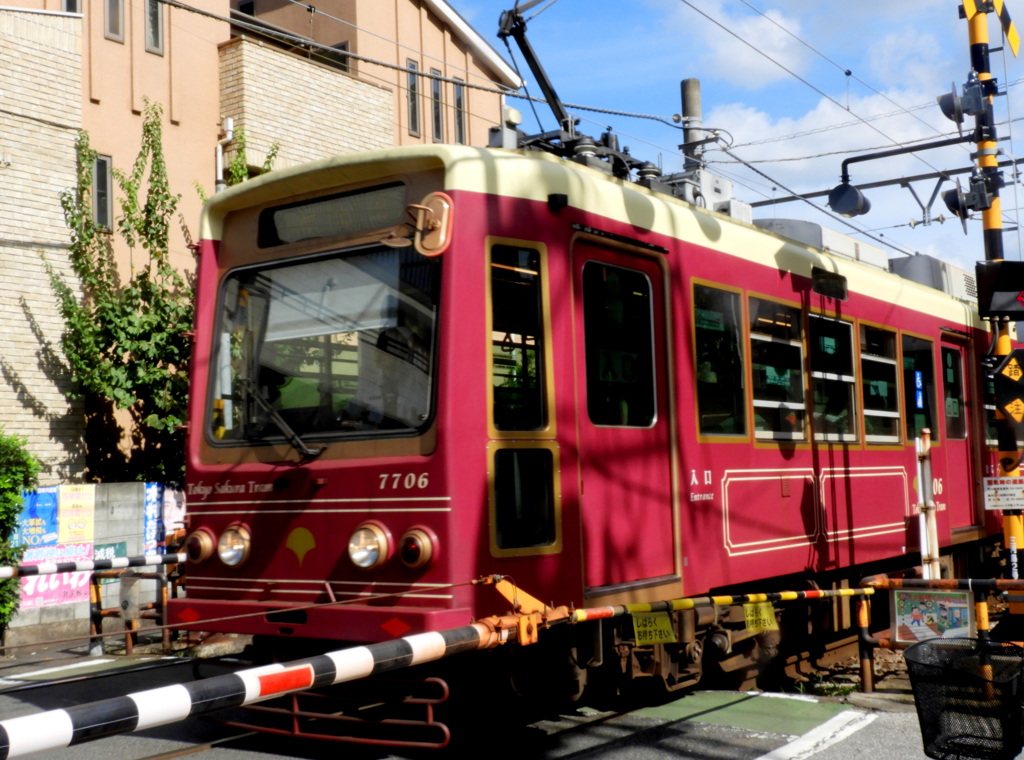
393,72
441,76
64,68
40,55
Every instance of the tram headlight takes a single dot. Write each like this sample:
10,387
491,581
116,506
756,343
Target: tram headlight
234,545
369,546
199,546
417,548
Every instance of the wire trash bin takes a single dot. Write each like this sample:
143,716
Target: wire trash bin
969,697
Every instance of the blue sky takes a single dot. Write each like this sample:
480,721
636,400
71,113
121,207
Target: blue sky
630,55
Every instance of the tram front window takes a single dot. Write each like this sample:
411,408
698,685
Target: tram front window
338,345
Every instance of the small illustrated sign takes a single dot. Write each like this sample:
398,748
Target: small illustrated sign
1004,493
918,615
760,616
653,628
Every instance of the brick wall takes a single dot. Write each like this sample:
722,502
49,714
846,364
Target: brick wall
311,111
40,59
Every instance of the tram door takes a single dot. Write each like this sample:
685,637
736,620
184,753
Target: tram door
624,417
957,483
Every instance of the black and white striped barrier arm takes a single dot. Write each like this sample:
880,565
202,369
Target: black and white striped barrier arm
57,729
88,565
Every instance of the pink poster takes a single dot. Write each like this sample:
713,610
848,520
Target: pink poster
55,588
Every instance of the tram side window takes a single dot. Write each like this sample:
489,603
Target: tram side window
991,430
717,318
953,394
879,372
919,386
619,346
832,379
776,360
524,498
517,355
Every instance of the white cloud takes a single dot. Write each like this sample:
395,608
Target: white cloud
743,48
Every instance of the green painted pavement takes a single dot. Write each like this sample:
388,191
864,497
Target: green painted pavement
775,714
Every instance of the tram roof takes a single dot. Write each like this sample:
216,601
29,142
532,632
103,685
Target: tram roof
533,175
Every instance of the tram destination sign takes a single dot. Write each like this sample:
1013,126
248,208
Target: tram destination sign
1004,493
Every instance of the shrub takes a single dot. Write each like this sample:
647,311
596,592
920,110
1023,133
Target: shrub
19,472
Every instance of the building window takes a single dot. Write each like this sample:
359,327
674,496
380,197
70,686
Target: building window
154,27
248,7
460,112
114,20
414,97
337,57
437,105
102,193
71,6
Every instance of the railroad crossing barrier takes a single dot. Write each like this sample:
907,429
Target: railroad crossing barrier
57,729
86,565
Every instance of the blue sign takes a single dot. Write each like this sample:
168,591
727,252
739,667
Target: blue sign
37,525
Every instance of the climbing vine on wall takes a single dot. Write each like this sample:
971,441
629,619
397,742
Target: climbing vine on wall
125,340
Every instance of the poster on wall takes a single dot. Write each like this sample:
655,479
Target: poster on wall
37,525
77,513
174,509
152,519
42,528
55,588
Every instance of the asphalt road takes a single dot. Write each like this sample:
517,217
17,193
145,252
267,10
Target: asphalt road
705,725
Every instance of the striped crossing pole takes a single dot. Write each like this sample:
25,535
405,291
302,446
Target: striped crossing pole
57,729
689,603
88,565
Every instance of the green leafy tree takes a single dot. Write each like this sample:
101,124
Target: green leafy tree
238,167
19,471
126,342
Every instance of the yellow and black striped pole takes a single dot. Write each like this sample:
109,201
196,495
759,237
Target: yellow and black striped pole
988,165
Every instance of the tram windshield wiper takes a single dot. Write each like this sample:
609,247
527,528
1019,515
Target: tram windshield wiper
290,435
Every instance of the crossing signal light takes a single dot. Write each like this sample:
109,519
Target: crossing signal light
956,202
846,200
952,107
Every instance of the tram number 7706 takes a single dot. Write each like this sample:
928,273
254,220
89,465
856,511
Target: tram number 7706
392,481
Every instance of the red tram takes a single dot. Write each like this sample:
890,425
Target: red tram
419,366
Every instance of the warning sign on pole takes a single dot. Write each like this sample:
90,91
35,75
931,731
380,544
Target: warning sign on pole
1004,493
1008,379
